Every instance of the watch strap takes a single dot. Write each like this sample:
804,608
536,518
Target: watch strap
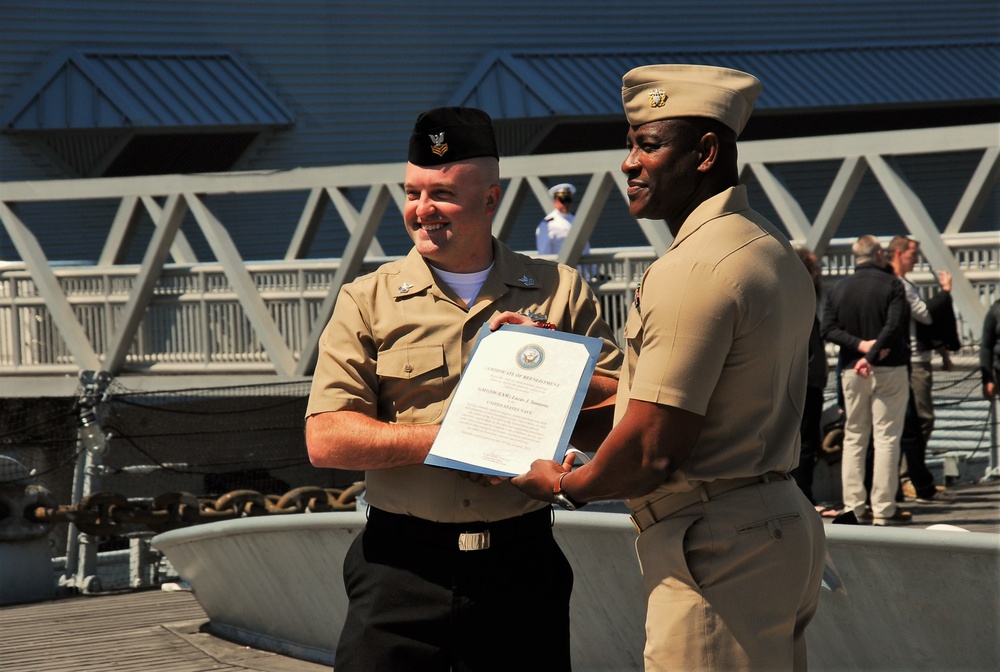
562,497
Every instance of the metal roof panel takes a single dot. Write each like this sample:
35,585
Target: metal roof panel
88,90
583,84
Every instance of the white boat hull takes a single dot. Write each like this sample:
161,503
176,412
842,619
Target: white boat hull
909,599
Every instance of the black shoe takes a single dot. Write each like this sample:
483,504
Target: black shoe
935,497
846,518
900,517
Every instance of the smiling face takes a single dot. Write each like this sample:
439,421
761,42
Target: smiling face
449,212
662,167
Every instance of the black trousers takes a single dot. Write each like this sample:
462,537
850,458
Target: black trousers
811,439
417,603
913,446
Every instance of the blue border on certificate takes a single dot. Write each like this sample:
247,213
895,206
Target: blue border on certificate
593,346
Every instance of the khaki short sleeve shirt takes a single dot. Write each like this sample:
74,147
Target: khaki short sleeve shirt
720,328
395,347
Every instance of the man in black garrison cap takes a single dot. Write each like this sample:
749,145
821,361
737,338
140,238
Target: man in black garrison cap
453,571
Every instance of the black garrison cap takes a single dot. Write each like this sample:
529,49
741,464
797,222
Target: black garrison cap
447,134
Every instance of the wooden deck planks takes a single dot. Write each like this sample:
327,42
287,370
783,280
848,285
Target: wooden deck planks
109,632
146,631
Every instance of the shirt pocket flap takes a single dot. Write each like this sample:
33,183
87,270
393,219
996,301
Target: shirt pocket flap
410,361
633,324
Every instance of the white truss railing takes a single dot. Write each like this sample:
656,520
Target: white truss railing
173,315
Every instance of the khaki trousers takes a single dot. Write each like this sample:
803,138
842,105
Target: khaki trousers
732,583
874,407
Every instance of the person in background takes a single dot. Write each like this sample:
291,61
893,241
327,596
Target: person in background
709,405
866,314
903,253
553,229
810,431
989,367
551,232
989,352
451,572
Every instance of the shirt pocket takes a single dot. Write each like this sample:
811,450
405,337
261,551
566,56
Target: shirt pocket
633,329
412,383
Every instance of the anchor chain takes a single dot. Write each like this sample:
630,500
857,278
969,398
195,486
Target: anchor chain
109,514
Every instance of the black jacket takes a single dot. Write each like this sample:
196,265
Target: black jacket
869,304
989,349
942,332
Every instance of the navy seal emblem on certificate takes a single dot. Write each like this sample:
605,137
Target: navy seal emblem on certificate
530,356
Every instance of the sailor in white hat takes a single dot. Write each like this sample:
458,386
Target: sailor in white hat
552,231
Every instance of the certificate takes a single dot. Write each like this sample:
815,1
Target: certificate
517,400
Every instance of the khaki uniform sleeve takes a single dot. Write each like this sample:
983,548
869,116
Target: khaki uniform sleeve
687,334
345,377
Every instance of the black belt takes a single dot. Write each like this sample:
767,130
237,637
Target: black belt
472,536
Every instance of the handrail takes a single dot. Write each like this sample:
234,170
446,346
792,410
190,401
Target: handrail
195,323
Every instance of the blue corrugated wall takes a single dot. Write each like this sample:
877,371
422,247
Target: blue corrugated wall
355,74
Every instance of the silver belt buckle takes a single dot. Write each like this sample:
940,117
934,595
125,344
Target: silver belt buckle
474,541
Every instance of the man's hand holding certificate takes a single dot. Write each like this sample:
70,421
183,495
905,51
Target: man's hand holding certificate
517,401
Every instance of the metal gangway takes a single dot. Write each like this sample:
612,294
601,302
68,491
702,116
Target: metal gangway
174,314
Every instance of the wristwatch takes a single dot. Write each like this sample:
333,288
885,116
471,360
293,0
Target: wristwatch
563,499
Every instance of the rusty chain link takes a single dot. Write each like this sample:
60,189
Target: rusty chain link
109,514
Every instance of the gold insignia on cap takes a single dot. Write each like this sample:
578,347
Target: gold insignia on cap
670,90
657,98
440,146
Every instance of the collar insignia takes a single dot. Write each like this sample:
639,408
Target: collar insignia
657,98
440,146
528,282
404,288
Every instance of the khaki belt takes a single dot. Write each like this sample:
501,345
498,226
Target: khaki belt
658,509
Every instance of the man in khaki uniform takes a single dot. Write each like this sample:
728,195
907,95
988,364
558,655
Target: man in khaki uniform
709,403
451,572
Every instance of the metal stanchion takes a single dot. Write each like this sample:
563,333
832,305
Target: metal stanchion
81,549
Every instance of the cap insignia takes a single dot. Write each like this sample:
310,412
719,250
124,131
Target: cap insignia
440,146
404,288
657,98
528,282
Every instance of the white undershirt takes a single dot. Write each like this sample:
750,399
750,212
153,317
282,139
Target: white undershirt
466,285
